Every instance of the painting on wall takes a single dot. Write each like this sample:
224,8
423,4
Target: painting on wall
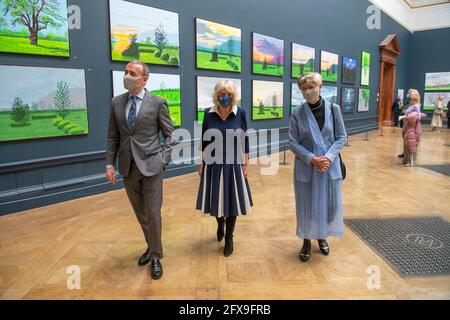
330,94
144,33
205,89
348,99
268,55
303,60
166,86
267,100
39,102
365,68
401,95
329,66
34,27
363,100
438,81
430,99
348,70
296,97
218,46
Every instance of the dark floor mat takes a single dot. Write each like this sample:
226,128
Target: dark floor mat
439,168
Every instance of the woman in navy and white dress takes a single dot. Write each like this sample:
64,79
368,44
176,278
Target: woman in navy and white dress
224,191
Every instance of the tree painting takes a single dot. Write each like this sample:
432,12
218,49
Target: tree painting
160,38
62,99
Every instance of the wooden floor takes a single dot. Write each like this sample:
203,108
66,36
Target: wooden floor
101,235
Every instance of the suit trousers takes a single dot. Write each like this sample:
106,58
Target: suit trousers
146,195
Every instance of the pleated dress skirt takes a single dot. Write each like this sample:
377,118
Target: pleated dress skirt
224,191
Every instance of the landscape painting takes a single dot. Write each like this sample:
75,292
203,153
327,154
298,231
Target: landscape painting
267,100
430,99
166,86
348,99
363,100
34,27
330,94
303,60
38,102
218,46
365,68
143,33
437,81
268,55
296,97
348,70
205,89
329,66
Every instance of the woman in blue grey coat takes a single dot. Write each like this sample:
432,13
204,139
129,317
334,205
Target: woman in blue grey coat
317,135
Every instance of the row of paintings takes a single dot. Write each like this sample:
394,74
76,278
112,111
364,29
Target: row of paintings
437,84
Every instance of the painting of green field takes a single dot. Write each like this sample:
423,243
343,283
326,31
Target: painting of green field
365,68
430,99
268,55
218,46
166,86
303,60
144,33
437,81
24,29
296,97
267,100
329,66
205,89
39,102
363,100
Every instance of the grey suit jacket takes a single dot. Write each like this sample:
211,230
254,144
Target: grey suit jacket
143,141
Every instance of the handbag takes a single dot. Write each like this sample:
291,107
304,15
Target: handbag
343,167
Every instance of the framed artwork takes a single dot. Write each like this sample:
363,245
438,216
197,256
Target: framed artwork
330,94
166,86
218,46
303,60
48,35
205,89
438,81
268,55
348,99
430,99
401,94
296,97
363,100
144,33
329,66
365,68
267,97
348,70
39,102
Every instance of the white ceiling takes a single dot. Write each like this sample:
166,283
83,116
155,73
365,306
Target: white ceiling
417,15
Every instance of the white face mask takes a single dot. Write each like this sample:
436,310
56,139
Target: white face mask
129,82
311,95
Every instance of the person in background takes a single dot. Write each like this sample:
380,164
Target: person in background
413,108
396,111
402,111
438,114
411,136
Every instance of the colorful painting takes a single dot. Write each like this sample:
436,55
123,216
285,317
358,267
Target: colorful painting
430,99
267,100
437,81
166,86
296,97
303,60
348,99
348,70
34,27
329,66
38,102
363,100
144,33
330,94
218,46
268,55
365,68
205,89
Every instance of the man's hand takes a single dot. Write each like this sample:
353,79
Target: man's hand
200,169
110,175
245,170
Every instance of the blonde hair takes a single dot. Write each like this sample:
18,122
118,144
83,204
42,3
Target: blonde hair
229,86
414,96
313,77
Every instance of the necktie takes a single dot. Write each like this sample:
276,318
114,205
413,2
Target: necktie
132,113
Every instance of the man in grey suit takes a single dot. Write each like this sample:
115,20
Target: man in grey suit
137,118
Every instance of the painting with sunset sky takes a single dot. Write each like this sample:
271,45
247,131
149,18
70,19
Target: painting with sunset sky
144,33
329,66
303,60
268,55
218,46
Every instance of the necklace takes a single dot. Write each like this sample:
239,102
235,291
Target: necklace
318,107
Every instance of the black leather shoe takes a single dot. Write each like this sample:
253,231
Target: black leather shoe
228,250
401,155
220,229
324,248
145,258
305,252
156,269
